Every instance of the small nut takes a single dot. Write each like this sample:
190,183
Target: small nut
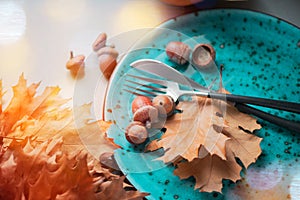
147,115
178,52
107,64
108,50
136,133
107,160
203,56
165,105
139,102
100,42
75,63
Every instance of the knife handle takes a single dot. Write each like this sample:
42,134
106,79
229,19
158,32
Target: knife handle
269,103
291,125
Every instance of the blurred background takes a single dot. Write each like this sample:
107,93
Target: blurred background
37,36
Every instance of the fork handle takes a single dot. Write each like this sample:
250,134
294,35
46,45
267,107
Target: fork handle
291,125
269,103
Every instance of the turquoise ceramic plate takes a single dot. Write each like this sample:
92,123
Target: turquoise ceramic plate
261,57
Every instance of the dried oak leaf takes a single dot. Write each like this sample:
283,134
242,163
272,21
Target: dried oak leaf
210,131
48,151
1,94
121,195
209,171
45,117
31,170
193,128
24,103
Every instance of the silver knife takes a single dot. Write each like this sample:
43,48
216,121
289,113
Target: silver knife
158,68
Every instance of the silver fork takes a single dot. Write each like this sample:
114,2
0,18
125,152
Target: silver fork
172,89
169,88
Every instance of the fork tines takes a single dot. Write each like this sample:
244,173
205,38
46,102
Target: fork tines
144,88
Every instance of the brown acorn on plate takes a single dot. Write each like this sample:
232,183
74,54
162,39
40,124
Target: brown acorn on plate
203,56
178,52
139,102
136,133
165,105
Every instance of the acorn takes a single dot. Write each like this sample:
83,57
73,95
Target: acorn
136,133
139,102
107,57
107,160
165,105
107,64
203,56
75,64
178,52
100,42
108,50
147,114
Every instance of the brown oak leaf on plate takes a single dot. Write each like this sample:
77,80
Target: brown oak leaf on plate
205,138
48,151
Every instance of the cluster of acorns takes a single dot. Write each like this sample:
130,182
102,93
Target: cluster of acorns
107,58
147,112
201,57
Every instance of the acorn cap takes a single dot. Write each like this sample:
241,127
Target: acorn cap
203,56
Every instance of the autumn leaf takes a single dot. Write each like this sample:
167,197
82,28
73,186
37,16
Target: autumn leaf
205,134
243,145
1,94
188,131
43,116
30,170
209,171
49,151
122,195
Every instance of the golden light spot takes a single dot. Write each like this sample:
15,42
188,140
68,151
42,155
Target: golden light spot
14,56
65,10
137,15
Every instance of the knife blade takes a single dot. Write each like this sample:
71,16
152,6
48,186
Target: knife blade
163,70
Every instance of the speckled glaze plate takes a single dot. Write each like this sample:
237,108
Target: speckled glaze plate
261,57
